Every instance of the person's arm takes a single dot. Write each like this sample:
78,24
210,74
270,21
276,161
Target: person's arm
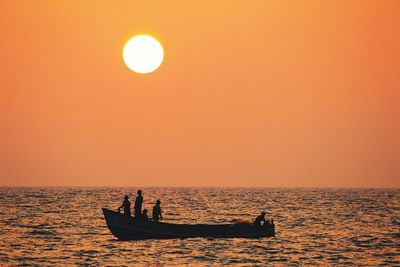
119,208
160,214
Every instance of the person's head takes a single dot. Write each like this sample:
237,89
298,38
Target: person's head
139,192
263,213
158,202
126,197
145,211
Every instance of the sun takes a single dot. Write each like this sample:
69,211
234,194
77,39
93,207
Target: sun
143,54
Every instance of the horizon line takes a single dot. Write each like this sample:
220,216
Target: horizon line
199,186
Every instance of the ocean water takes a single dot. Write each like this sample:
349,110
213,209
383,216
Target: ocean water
65,226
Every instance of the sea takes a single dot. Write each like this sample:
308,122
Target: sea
64,226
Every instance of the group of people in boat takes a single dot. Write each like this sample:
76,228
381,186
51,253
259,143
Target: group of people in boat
139,214
157,214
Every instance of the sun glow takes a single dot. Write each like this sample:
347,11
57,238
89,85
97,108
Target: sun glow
143,54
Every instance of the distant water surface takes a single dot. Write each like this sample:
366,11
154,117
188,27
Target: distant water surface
65,226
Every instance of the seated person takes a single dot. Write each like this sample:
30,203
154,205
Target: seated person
260,218
144,215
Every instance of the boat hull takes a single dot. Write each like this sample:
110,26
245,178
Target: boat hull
127,228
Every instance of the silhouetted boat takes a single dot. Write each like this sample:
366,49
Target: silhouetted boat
127,228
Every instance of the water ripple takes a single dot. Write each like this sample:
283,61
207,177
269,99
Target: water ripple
64,226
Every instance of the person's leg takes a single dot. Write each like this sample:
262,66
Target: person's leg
137,214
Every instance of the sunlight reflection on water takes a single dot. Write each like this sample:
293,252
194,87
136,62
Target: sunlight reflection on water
53,226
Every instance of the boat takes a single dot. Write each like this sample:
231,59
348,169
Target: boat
128,228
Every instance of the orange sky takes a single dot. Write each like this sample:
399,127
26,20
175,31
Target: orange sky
251,93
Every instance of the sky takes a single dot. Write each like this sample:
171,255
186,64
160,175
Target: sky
250,93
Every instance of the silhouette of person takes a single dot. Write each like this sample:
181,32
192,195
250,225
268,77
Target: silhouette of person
157,211
126,205
144,215
138,204
260,218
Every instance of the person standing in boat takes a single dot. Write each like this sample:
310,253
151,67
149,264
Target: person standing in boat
138,204
157,211
126,205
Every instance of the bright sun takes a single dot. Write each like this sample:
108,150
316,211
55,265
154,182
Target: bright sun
143,54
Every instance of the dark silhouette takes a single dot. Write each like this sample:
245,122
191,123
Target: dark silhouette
144,215
138,204
138,229
157,211
260,218
126,205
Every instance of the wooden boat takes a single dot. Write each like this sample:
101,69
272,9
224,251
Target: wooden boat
128,228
